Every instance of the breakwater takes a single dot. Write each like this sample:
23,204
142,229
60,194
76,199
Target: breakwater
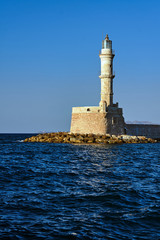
65,137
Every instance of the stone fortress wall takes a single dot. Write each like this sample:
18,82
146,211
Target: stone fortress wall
88,120
147,130
95,120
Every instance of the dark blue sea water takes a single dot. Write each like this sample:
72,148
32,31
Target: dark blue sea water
88,192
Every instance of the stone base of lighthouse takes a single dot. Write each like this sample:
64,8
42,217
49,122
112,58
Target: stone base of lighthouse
97,120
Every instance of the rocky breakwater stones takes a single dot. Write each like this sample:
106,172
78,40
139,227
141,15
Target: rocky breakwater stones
65,137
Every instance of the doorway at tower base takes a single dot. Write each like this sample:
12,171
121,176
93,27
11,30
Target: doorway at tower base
92,120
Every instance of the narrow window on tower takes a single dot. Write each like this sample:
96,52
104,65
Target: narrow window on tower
114,120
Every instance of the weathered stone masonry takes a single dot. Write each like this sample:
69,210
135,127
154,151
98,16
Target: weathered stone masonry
148,130
87,123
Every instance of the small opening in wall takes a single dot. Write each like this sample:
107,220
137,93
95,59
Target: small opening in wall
114,120
88,109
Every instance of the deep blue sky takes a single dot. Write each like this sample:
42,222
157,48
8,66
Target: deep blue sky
49,60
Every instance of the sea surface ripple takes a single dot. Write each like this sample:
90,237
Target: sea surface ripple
80,192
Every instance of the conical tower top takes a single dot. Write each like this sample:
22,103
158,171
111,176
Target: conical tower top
107,38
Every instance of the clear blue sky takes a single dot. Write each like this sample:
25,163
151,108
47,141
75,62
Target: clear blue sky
49,60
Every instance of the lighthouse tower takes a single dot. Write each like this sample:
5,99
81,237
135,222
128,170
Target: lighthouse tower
107,117
106,76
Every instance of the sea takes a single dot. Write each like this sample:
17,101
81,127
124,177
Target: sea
78,192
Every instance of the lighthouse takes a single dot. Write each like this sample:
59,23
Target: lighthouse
106,55
107,117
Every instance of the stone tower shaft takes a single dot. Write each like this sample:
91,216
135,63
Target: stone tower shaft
106,76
